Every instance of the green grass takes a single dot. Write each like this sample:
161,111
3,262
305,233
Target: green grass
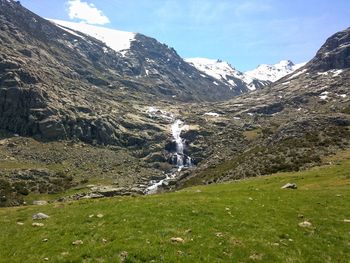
251,220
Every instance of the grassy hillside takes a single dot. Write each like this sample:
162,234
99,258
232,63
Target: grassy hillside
251,220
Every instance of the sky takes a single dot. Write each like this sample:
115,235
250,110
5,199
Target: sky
246,33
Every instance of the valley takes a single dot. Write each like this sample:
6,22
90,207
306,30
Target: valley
139,155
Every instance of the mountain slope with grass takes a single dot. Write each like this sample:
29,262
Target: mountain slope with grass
251,220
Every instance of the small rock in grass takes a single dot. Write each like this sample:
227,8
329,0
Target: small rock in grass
177,240
64,253
20,223
256,257
77,242
104,240
39,216
46,259
289,186
219,234
188,231
346,220
305,224
91,216
37,224
99,215
300,216
227,209
40,202
251,199
45,240
123,256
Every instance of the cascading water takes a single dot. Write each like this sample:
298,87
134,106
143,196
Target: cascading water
179,158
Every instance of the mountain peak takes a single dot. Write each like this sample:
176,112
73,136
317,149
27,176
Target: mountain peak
274,72
334,54
226,73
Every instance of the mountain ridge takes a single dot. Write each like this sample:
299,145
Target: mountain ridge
274,72
224,71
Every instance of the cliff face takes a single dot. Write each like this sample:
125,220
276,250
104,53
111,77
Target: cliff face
334,54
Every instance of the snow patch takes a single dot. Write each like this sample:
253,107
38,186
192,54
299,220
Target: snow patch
212,114
324,95
337,72
115,39
297,74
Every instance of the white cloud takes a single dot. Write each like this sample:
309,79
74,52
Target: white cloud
86,12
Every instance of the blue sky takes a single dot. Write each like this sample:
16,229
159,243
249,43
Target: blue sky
245,33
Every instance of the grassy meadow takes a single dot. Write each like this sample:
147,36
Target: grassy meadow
251,220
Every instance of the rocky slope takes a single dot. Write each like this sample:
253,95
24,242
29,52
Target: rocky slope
74,110
287,126
59,84
223,71
274,72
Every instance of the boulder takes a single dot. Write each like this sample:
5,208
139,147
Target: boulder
289,186
40,216
52,129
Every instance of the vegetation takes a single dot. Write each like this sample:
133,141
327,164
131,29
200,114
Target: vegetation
251,220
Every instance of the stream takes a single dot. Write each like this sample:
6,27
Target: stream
179,159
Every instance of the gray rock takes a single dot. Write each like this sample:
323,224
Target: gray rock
40,216
289,186
40,202
92,196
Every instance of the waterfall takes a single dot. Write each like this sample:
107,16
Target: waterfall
179,158
176,128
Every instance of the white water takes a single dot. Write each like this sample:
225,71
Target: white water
179,158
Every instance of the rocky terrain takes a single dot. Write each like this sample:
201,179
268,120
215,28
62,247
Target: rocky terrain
77,114
287,126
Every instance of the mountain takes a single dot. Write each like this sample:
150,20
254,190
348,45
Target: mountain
290,125
122,41
60,83
131,114
274,72
224,72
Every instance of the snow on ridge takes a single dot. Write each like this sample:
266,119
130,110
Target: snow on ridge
216,68
222,71
115,39
274,72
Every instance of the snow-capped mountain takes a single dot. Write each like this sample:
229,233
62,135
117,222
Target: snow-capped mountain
274,72
223,71
124,43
